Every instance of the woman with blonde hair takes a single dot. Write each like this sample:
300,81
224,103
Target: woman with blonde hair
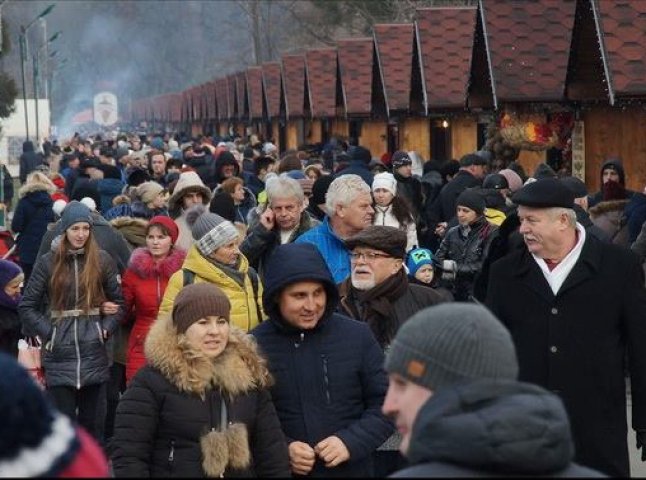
72,303
201,406
32,216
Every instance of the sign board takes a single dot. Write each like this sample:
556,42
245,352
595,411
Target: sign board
578,150
106,111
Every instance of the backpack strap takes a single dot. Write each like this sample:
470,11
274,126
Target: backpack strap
188,276
253,276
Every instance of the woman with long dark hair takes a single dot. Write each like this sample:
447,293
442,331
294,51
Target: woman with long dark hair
391,209
72,303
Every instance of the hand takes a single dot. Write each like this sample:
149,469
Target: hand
449,266
267,219
301,458
332,451
440,229
109,308
641,442
106,334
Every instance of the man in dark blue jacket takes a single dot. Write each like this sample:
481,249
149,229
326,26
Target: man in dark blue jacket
329,378
360,158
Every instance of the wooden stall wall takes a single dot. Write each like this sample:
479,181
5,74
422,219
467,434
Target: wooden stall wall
615,132
196,129
373,137
339,127
275,133
293,137
464,136
223,129
314,131
415,135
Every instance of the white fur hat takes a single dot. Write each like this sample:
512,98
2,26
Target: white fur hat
386,181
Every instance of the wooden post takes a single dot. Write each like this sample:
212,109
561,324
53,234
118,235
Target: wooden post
464,136
373,137
415,135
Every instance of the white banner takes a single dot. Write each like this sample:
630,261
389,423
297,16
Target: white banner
106,111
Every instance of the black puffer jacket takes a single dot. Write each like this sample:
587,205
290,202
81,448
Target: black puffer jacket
29,160
469,252
74,353
492,428
168,421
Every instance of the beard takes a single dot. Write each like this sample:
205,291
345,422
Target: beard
364,283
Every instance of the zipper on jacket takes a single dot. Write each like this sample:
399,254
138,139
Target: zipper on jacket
78,354
51,342
326,379
171,454
159,297
98,327
298,342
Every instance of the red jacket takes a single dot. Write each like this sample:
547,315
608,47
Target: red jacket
143,285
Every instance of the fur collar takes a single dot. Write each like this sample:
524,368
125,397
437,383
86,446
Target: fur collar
607,206
35,187
237,370
142,263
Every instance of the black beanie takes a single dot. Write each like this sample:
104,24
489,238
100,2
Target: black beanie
471,199
320,188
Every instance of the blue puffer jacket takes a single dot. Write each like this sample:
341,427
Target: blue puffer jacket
108,188
33,214
329,380
335,253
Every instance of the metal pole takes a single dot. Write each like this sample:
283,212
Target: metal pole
22,69
35,72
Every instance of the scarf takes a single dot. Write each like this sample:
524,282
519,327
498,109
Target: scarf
10,302
375,306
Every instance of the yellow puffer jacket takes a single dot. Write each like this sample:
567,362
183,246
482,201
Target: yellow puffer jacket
244,312
495,217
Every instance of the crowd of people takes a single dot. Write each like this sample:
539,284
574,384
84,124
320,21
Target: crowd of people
209,307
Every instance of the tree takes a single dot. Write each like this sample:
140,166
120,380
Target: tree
8,89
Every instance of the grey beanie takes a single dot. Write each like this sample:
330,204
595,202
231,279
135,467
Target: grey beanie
75,212
210,231
450,343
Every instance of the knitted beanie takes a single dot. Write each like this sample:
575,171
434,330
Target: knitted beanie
36,440
471,199
386,181
513,179
320,188
210,231
75,212
168,223
222,204
450,343
9,271
417,258
196,301
148,191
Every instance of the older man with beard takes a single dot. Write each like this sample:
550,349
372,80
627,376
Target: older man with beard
378,293
349,210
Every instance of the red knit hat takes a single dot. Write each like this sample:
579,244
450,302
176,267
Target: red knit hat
168,223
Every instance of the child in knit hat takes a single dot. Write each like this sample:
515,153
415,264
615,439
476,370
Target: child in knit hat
419,263
11,279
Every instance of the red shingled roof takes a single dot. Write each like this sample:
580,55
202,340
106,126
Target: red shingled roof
395,56
254,91
355,65
321,76
623,29
294,84
445,39
222,96
272,86
529,46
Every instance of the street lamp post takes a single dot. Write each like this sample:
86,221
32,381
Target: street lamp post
36,75
23,58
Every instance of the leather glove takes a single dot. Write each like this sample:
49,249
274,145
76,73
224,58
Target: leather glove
641,442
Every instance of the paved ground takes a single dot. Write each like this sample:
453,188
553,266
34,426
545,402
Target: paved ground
637,467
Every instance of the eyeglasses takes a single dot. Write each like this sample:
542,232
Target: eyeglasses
367,256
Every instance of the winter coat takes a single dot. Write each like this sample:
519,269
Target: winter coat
596,198
246,307
143,286
132,229
74,353
247,205
636,215
260,243
590,228
488,428
574,343
169,420
358,167
385,216
204,166
9,330
7,185
446,203
469,252
609,217
108,239
108,188
29,160
84,186
329,380
30,219
331,247
411,189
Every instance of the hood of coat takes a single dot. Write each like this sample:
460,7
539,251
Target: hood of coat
142,263
609,206
201,266
133,229
497,426
238,369
28,188
187,182
292,263
617,165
